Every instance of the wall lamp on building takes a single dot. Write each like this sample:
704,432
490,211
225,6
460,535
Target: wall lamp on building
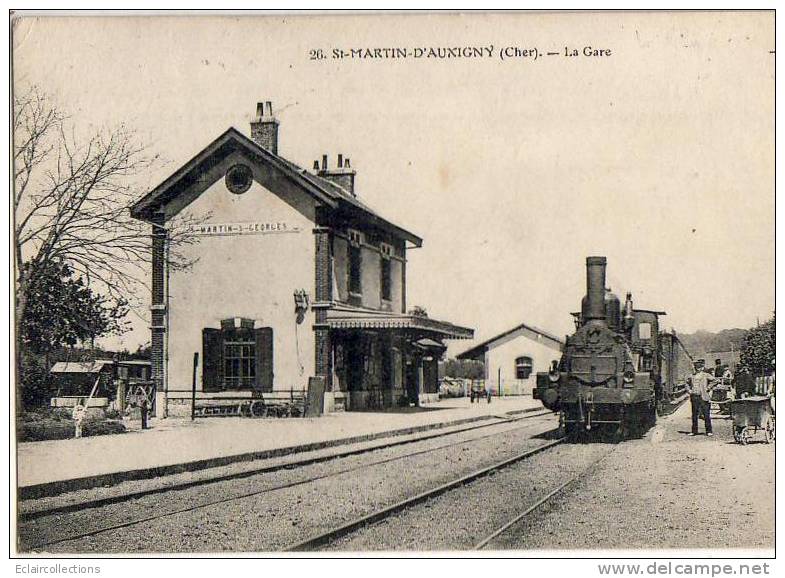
300,304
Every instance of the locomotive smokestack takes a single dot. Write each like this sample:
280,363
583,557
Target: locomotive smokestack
595,288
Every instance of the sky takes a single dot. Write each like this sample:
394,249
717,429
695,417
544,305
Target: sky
659,156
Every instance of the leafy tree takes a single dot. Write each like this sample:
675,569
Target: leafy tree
34,372
463,368
758,349
61,311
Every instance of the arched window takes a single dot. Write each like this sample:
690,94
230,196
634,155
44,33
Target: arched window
523,367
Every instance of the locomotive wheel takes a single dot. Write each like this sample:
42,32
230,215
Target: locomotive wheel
623,432
258,409
572,431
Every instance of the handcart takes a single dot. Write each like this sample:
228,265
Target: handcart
751,415
478,392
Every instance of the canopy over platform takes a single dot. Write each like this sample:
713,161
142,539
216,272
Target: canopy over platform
346,317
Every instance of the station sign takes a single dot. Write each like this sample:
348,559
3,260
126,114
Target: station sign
246,228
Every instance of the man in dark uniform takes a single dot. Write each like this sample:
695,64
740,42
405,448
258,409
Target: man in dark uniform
744,383
718,368
699,384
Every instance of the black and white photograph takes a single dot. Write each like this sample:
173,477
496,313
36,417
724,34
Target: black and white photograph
405,284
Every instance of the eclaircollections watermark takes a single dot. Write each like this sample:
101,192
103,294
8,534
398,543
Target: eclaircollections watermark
56,569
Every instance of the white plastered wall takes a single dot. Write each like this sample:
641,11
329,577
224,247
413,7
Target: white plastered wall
252,276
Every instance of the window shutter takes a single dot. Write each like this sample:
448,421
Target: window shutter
212,364
264,359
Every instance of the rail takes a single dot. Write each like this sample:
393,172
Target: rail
324,538
129,497
539,503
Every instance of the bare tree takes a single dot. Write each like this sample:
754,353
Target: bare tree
72,202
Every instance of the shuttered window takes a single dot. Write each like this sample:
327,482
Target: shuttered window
356,240
386,279
237,359
264,358
355,270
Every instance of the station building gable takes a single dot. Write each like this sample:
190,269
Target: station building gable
292,277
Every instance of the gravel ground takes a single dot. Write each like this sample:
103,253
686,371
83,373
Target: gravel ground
235,469
279,517
461,518
683,492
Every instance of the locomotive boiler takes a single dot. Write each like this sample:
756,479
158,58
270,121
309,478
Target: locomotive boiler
610,373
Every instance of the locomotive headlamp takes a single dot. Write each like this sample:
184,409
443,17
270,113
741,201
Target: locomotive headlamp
628,378
553,372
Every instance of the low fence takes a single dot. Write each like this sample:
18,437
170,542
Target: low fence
457,387
291,403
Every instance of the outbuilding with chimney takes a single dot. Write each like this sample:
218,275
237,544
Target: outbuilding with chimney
292,277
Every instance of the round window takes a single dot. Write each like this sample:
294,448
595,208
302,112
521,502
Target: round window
239,179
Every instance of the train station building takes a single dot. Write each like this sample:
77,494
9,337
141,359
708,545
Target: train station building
513,358
292,276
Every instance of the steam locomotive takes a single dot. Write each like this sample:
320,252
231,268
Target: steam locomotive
617,370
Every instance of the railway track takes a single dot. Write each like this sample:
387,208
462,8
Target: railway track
32,514
57,512
482,544
324,538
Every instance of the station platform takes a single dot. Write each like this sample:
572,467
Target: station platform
176,445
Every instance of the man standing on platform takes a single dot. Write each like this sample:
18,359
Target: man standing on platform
699,384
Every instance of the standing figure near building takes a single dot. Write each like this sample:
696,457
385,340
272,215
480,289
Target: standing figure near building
699,384
78,416
144,410
718,370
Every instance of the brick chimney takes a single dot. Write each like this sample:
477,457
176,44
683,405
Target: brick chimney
342,175
264,129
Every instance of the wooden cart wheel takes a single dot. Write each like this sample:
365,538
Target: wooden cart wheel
744,436
258,409
769,431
